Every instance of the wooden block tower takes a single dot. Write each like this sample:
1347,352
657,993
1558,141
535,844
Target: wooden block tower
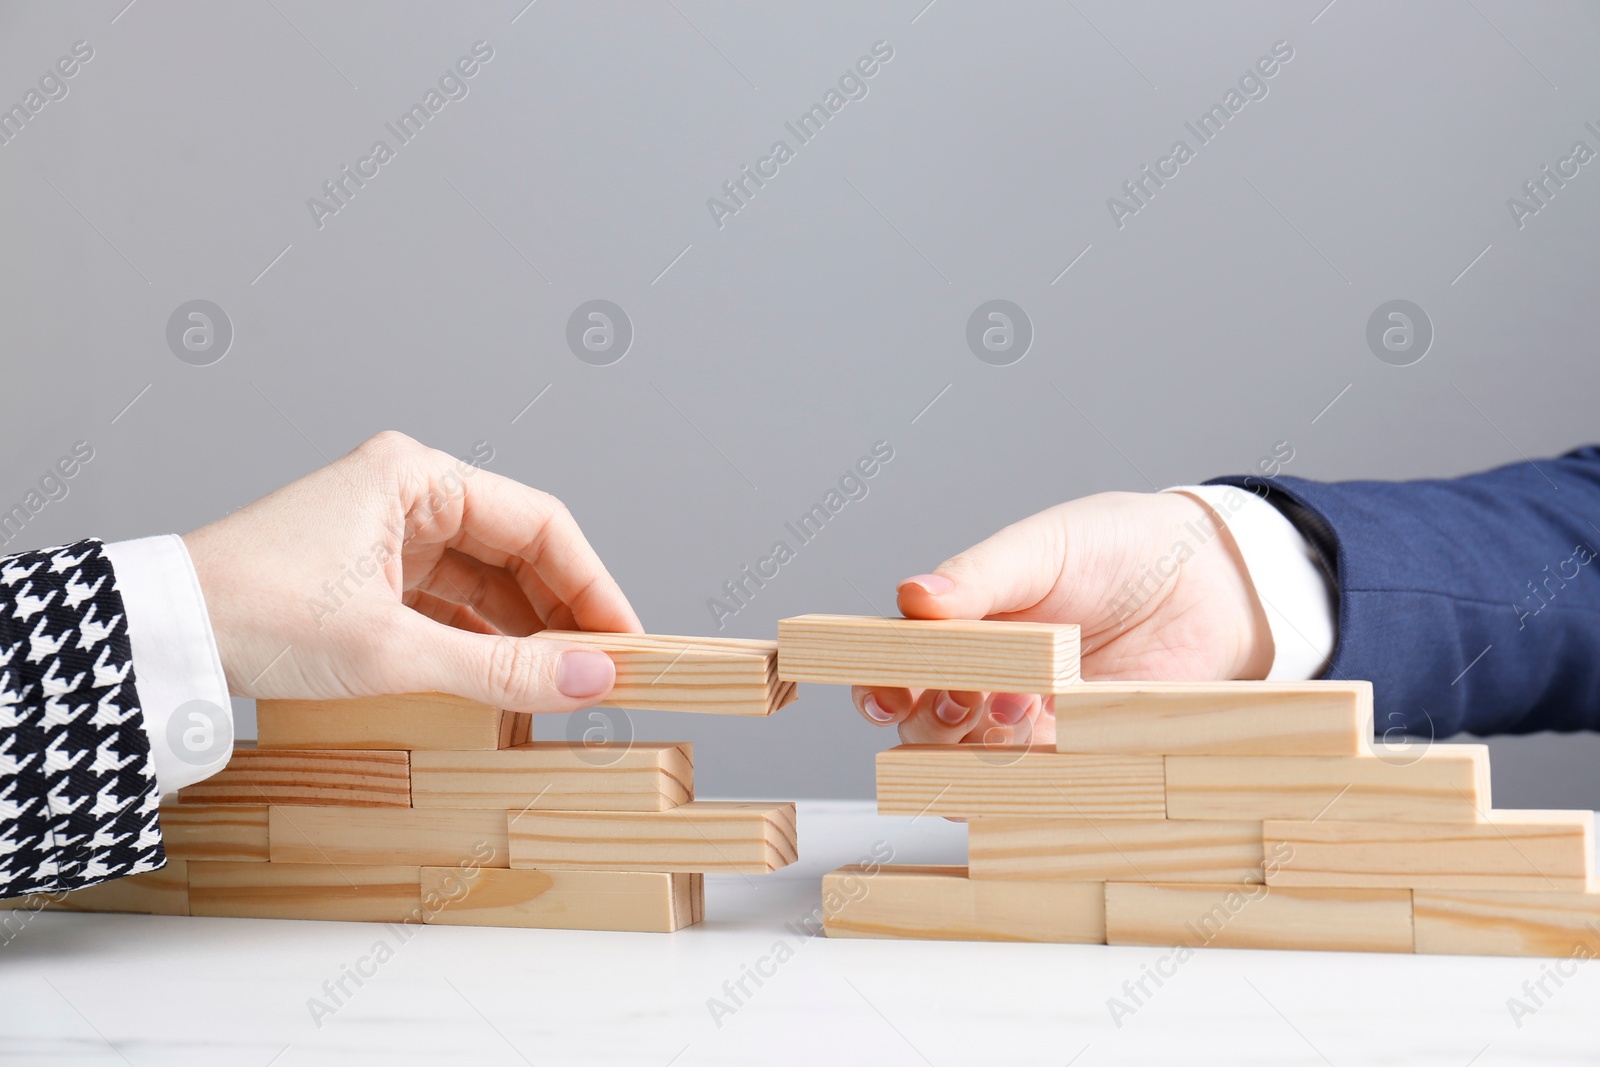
426,808
1229,814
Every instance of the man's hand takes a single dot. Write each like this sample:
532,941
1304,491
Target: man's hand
1154,580
399,568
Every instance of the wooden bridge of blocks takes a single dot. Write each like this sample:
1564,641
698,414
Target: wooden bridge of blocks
433,809
1227,814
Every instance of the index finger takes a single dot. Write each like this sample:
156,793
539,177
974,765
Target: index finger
535,527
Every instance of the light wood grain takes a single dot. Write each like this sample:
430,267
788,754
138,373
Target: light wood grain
556,776
715,675
1114,850
415,837
259,776
1535,851
641,901
215,831
1216,718
160,892
1012,657
305,891
1442,783
943,904
1490,923
516,728
401,721
701,836
962,780
1258,916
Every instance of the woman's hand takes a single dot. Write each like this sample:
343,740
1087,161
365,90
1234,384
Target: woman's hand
399,568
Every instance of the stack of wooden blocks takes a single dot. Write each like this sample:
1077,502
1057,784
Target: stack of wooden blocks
1231,814
430,808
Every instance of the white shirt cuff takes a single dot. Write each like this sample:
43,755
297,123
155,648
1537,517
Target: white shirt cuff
1300,601
175,660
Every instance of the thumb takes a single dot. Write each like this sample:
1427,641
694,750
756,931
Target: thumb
513,673
1011,571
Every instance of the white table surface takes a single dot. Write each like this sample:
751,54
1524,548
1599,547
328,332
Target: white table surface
113,989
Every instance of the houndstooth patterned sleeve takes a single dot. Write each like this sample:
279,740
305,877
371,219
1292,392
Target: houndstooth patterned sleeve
78,796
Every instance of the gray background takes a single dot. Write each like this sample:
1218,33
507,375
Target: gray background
1225,317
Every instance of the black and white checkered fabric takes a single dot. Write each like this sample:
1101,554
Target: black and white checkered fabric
78,796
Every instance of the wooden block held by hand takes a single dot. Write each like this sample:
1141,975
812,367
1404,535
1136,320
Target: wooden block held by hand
306,776
942,904
700,836
642,901
215,831
716,675
556,776
1007,657
305,891
414,837
962,780
1439,783
1216,718
1532,851
159,892
1258,916
403,721
1114,850
1474,922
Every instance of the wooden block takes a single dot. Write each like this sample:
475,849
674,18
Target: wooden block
642,901
965,780
1488,923
700,836
1114,850
1441,783
1258,916
305,891
1533,851
943,904
306,776
516,728
717,675
415,837
1216,718
159,892
215,831
556,776
402,721
1009,657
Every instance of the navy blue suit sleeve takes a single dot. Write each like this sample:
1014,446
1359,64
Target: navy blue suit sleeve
1472,604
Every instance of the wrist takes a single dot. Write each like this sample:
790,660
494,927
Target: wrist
1224,578
214,593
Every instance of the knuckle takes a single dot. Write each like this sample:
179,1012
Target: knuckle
956,562
519,669
962,565
384,452
557,510
553,533
387,443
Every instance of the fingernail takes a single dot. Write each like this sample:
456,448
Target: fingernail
1007,709
950,713
875,711
932,584
583,673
